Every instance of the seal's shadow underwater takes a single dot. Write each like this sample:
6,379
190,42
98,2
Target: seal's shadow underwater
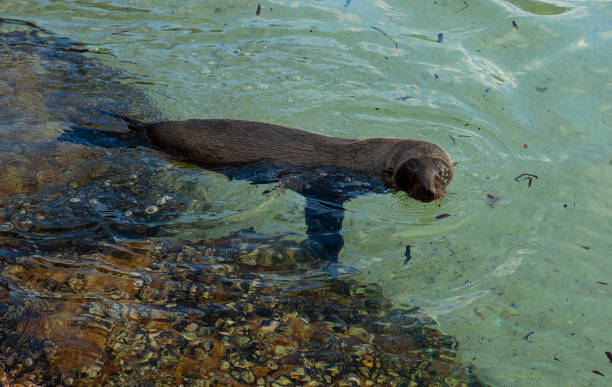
327,171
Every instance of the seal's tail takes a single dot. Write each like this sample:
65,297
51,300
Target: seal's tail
83,135
133,124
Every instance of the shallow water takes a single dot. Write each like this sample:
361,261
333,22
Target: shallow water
517,272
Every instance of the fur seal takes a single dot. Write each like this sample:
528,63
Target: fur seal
327,171
421,169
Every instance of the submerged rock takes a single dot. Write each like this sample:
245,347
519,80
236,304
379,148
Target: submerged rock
47,85
187,324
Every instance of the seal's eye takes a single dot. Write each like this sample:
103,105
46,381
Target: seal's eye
406,177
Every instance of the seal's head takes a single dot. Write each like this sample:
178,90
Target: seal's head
423,178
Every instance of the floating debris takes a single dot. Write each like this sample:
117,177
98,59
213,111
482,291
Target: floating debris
384,33
526,176
407,254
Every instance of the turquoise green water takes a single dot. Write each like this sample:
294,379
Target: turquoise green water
520,279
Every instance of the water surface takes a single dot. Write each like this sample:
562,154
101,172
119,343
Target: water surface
517,272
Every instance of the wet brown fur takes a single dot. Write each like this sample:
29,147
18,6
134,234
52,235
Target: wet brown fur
421,169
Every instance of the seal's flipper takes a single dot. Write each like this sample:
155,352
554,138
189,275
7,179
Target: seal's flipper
323,222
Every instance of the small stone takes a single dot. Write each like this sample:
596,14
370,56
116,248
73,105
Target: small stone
208,345
247,376
93,202
368,362
281,350
351,380
298,374
272,365
133,176
128,213
241,340
163,200
191,336
107,183
28,362
151,210
321,365
191,327
225,365
283,381
269,326
74,200
333,370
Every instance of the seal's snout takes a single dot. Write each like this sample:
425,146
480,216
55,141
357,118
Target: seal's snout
428,191
423,180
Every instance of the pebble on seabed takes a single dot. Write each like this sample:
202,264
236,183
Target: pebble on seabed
345,335
164,199
151,209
